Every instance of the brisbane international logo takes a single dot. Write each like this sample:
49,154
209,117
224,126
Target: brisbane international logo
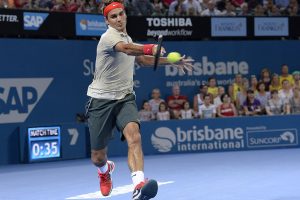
163,139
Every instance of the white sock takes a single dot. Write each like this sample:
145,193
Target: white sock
103,169
137,177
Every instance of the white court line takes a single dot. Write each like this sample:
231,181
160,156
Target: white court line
116,191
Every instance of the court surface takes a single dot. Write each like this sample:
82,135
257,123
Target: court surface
247,175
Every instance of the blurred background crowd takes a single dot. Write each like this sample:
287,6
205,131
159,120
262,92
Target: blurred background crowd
167,7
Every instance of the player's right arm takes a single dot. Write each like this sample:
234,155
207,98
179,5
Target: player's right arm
134,49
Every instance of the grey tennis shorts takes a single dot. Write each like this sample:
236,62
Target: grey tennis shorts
104,115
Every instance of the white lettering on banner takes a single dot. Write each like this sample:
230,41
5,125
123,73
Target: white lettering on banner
18,97
170,22
209,68
9,18
89,67
195,82
167,32
195,139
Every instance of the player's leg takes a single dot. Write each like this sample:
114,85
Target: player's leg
128,123
101,122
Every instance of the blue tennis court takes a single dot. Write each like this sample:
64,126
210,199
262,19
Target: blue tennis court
248,175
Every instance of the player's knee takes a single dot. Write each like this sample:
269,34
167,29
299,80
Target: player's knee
132,134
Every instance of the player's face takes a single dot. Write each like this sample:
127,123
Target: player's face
117,19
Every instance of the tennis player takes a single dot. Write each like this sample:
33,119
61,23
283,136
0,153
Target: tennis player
112,103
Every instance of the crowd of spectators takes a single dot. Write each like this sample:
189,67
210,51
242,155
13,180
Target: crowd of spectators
268,94
167,7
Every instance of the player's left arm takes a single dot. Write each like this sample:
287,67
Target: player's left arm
149,60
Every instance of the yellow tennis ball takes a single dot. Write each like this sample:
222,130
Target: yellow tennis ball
173,57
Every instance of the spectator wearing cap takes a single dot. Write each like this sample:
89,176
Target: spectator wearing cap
285,75
275,83
296,76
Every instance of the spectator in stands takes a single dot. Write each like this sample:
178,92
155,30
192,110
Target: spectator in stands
242,96
176,101
167,3
46,4
212,87
3,4
235,87
293,8
207,110
263,96
163,112
252,105
199,98
194,4
253,83
259,10
73,5
186,112
229,9
226,109
295,101
217,99
274,11
211,10
275,105
176,8
285,75
155,101
145,114
286,93
237,3
59,6
143,7
296,76
159,9
275,83
244,10
265,77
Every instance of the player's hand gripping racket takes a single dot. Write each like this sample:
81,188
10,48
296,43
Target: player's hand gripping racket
158,51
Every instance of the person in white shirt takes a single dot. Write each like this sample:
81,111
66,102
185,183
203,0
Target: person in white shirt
207,110
286,93
211,10
186,112
155,101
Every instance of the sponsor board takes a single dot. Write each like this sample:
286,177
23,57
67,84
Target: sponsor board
33,21
228,27
272,138
271,26
90,25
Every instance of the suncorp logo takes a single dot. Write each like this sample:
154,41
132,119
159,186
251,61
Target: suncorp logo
18,97
272,138
196,139
206,67
33,21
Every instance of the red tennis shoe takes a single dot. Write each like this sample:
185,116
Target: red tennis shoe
106,184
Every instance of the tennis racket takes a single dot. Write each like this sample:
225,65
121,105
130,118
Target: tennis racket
158,49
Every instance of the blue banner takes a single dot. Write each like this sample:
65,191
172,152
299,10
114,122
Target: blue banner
274,26
215,135
228,26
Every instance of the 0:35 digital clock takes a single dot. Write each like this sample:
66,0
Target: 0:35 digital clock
43,143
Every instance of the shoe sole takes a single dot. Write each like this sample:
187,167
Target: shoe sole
149,190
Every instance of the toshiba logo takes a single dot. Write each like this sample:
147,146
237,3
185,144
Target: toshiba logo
8,18
164,22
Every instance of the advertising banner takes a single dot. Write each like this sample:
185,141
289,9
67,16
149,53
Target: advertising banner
90,25
11,22
216,135
274,26
229,27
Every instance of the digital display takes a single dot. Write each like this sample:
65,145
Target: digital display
43,143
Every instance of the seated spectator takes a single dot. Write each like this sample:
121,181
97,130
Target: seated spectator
265,77
158,8
238,3
59,6
263,96
207,110
143,7
295,101
186,112
296,76
194,4
199,98
176,8
179,10
274,11
176,101
275,105
275,84
212,87
252,106
226,109
163,112
211,10
242,96
155,100
229,9
259,10
285,75
217,100
145,114
253,83
244,10
235,87
286,93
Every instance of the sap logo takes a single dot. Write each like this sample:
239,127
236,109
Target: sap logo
18,97
33,21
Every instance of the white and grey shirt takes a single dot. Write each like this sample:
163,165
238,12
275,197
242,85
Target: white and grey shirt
113,78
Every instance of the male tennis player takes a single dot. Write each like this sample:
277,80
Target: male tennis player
112,103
